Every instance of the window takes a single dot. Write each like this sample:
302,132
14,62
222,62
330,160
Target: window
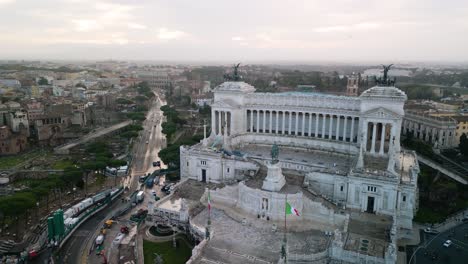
341,188
187,164
203,162
371,189
404,198
228,170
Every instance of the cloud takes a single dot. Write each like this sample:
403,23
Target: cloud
352,27
5,2
166,34
85,25
134,25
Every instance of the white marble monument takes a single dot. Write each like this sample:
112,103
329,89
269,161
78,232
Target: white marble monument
274,180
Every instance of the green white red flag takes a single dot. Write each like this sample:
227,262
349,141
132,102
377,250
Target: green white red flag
209,201
291,210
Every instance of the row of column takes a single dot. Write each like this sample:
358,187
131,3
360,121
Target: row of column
221,123
339,127
381,134
443,137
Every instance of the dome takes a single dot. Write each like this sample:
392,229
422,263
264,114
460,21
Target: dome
235,87
384,91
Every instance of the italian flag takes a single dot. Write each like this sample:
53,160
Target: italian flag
209,201
291,210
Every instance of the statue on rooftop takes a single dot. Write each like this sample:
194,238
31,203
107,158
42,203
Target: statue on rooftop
274,154
385,80
236,77
385,71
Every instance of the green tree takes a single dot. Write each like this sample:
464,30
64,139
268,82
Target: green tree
123,101
43,81
169,128
463,145
116,163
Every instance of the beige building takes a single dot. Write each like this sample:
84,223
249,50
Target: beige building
462,127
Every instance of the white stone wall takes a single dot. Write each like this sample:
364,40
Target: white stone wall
217,168
261,203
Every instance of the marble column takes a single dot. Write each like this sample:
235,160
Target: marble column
282,124
220,123
264,122
382,139
251,121
324,118
296,127
364,135
374,131
276,116
338,119
345,127
351,133
258,122
330,127
290,122
271,121
316,125
303,124
213,122
225,124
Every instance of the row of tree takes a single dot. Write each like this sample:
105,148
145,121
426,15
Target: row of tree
173,121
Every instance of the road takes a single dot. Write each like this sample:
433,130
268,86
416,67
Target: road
431,246
72,251
150,141
144,155
98,133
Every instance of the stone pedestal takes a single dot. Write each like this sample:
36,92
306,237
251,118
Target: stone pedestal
274,180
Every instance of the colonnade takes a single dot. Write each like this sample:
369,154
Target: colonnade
441,133
318,125
378,134
221,122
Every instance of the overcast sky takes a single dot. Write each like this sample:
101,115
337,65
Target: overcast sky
235,30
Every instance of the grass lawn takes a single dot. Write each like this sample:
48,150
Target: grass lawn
11,161
62,164
180,255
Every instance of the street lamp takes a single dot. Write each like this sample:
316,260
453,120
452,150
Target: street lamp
37,210
74,190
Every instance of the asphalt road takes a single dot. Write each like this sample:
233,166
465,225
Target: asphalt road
432,251
72,250
144,155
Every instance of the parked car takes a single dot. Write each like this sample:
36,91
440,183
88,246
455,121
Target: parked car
166,187
429,230
448,243
157,163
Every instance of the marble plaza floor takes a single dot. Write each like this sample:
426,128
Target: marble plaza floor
235,242
321,160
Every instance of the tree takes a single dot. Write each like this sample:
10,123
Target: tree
168,128
137,116
140,99
116,163
123,101
43,81
463,145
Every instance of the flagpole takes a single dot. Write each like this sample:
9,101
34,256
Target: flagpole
207,233
284,250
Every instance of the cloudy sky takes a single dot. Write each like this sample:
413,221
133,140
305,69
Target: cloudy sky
240,30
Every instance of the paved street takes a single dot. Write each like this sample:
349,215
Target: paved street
145,153
149,143
432,250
